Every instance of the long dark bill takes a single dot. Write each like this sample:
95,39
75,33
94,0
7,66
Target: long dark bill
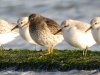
58,31
25,24
89,28
14,28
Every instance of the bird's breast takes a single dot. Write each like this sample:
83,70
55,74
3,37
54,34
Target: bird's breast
78,39
26,35
8,37
96,35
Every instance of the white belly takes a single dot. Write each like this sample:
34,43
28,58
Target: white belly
26,36
47,40
7,37
96,35
79,39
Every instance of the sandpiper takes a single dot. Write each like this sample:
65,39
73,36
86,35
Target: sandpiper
42,31
24,30
5,32
95,26
74,33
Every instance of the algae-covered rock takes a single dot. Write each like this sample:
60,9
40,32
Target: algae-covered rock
61,60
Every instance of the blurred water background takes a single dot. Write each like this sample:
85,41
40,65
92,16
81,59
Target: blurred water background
59,10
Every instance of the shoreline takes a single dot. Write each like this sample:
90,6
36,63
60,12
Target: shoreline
61,60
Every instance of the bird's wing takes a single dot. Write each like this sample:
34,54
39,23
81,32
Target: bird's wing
53,26
81,25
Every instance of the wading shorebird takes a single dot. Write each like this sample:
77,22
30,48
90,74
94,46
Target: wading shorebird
42,31
74,33
24,30
6,35
95,26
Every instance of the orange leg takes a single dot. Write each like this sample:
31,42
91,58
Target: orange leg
52,50
49,50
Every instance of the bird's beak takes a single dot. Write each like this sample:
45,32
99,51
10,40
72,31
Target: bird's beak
58,31
89,28
17,26
14,28
25,24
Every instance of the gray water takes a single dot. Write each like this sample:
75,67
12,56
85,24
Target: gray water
73,72
58,10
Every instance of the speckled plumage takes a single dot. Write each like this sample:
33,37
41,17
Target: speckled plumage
4,26
42,31
6,35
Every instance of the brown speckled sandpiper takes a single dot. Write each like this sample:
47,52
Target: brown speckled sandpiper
42,31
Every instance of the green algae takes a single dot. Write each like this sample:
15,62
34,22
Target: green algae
61,60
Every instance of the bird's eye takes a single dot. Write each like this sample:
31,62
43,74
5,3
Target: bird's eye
66,26
21,22
96,23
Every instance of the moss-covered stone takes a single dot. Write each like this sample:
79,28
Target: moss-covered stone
61,60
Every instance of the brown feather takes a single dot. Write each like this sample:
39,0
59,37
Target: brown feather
51,24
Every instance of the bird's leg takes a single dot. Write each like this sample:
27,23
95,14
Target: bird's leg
1,48
85,51
51,50
35,46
